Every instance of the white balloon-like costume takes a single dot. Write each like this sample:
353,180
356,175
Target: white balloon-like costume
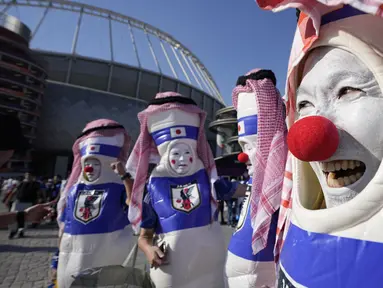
180,201
335,102
96,226
261,134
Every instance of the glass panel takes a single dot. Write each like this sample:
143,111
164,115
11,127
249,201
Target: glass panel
57,67
209,106
89,73
149,86
168,85
184,90
198,98
124,81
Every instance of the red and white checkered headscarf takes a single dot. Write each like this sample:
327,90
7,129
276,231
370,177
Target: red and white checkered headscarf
271,154
76,167
306,36
144,149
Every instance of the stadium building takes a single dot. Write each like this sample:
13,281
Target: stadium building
79,87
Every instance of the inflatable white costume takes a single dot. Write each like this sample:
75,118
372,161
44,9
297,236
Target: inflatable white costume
262,136
335,105
96,226
181,201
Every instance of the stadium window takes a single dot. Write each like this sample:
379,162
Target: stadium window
198,98
90,73
57,66
124,81
168,85
184,90
149,86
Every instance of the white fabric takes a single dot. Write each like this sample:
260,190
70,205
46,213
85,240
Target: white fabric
243,273
201,250
76,257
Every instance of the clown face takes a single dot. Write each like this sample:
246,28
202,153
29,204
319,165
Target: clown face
181,158
338,86
249,148
92,169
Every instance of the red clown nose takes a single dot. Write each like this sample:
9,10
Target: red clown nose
313,138
88,169
243,157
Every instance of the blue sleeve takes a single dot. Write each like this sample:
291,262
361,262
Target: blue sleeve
63,215
225,189
149,216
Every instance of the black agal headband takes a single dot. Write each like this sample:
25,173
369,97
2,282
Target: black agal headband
259,75
173,99
90,130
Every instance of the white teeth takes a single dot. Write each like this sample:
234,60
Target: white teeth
352,178
347,181
341,181
344,164
339,165
330,166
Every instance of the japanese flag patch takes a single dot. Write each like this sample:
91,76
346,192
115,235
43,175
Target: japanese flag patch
92,148
176,132
241,128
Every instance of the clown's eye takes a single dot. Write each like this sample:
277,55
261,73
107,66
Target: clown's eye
303,104
187,152
347,90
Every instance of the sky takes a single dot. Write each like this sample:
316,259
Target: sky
230,37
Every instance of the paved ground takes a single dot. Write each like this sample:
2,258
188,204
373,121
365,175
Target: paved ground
25,262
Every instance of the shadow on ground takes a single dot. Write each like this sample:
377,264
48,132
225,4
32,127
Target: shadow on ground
23,249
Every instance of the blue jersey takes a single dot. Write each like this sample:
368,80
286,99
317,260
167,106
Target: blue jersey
240,243
323,260
176,203
93,209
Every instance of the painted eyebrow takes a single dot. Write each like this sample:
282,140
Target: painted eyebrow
332,80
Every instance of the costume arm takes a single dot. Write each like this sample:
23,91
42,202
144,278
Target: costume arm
226,189
128,184
148,224
7,219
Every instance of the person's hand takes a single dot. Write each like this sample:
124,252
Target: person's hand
39,212
118,168
155,257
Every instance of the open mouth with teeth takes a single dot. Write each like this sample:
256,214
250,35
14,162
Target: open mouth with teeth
342,173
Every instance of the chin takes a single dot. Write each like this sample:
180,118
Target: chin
342,180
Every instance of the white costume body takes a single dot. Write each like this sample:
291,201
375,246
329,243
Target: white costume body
96,228
341,245
183,221
243,269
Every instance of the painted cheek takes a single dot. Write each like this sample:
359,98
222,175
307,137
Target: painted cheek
191,159
173,162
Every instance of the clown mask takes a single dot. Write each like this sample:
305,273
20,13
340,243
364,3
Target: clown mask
247,116
92,169
338,86
181,158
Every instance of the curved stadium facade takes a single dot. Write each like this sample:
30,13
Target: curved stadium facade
79,88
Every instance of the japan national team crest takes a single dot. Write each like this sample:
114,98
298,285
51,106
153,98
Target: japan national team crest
185,198
88,205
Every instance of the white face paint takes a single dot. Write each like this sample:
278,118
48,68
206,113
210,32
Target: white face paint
92,169
181,158
249,147
338,86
